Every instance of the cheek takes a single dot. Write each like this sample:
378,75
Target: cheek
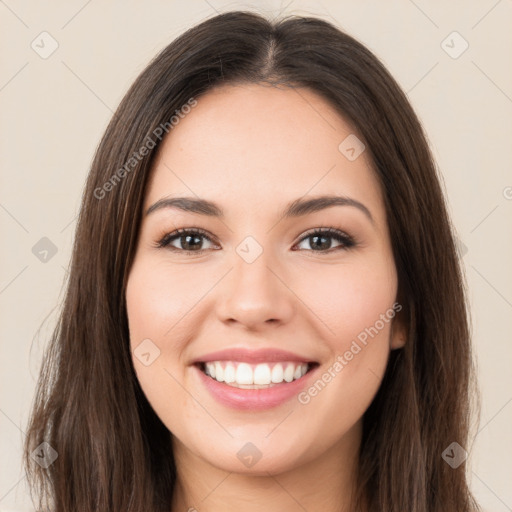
157,298
352,299
154,308
162,307
356,303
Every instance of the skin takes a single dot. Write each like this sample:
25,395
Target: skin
252,149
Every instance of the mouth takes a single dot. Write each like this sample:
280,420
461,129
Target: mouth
243,375
254,380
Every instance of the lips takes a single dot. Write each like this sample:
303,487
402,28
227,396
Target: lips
253,356
254,379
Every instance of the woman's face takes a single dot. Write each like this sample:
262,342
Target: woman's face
258,295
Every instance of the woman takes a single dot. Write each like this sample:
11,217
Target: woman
265,309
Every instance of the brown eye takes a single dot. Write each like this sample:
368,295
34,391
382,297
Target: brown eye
320,240
185,240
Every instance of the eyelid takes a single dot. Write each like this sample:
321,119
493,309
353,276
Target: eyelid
324,230
164,240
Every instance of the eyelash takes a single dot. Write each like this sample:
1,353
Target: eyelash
346,240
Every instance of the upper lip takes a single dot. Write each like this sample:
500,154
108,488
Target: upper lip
262,355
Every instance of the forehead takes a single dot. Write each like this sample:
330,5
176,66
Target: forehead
255,145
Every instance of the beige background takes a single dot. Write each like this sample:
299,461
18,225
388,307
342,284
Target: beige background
54,111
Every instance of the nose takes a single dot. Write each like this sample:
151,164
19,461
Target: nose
255,295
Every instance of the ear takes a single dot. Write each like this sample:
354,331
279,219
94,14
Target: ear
399,327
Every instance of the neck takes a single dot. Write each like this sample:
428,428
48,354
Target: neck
324,484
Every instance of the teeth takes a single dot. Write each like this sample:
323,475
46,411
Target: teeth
277,373
288,373
262,374
210,369
238,374
219,372
229,374
244,374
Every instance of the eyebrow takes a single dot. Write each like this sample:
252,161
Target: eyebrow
296,208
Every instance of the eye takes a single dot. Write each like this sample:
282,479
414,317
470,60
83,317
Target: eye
190,240
320,240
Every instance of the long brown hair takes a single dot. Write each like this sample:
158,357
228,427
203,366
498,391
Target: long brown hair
114,453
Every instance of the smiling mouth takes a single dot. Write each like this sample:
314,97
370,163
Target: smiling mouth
243,375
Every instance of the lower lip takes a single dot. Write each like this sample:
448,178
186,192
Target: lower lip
254,399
